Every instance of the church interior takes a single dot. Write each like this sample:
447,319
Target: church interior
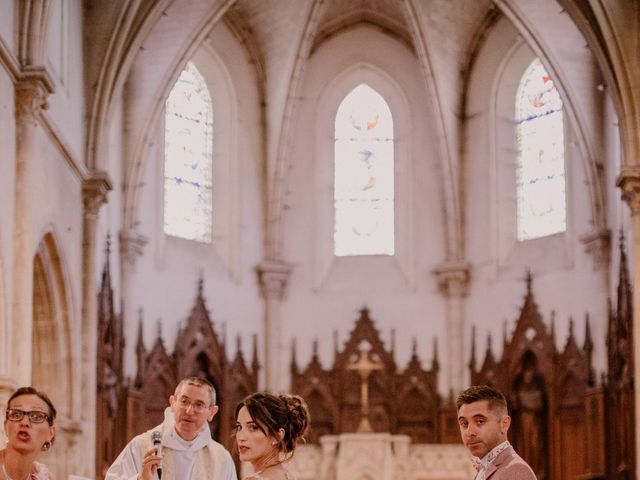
370,203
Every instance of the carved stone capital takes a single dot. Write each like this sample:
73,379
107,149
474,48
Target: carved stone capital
273,277
31,99
131,246
629,183
453,279
598,244
94,192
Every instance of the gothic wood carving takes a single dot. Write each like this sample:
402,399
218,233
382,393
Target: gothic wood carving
125,409
111,395
619,382
199,351
547,392
364,391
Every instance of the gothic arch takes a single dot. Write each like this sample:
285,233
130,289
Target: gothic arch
545,28
137,39
52,355
617,59
328,87
501,59
219,81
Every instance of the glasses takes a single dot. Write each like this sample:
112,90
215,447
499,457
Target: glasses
198,406
35,416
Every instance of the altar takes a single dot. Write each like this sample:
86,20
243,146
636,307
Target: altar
380,456
366,455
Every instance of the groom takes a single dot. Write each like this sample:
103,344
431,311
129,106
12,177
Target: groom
484,421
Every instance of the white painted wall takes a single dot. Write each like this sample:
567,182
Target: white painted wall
66,107
7,23
564,278
165,278
326,293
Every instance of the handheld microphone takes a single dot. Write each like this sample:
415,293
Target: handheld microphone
156,437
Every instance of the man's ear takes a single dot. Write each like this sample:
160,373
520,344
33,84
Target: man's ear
505,423
172,400
213,409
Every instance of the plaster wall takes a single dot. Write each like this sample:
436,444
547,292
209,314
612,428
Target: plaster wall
565,280
64,63
7,23
174,265
58,209
110,216
400,291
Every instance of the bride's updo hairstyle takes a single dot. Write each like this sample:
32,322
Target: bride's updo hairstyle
274,412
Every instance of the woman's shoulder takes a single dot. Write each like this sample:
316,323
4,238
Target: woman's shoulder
254,476
40,472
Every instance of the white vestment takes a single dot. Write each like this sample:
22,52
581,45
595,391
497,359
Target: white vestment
198,459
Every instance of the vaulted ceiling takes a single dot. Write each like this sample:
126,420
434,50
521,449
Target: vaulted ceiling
136,49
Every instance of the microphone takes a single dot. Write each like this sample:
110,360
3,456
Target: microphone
156,437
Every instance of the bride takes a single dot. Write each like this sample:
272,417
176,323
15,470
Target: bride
267,430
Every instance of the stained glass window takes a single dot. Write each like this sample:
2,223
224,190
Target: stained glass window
540,167
188,158
363,175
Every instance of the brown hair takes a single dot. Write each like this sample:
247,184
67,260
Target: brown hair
274,412
477,393
198,382
41,395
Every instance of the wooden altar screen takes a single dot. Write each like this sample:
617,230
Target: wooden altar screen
547,392
399,402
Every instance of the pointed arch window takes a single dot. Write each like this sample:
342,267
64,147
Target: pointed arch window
188,158
363,175
540,166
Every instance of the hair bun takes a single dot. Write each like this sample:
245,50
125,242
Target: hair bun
298,414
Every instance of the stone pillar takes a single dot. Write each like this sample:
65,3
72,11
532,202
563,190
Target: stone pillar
7,387
273,277
629,182
94,194
31,95
453,281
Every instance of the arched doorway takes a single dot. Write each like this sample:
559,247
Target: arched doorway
52,354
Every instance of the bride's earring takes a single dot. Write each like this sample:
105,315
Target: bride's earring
46,446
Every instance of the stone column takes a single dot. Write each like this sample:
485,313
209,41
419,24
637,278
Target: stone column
94,194
629,182
453,281
31,95
7,387
273,277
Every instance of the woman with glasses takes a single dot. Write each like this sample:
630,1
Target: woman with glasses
268,427
30,430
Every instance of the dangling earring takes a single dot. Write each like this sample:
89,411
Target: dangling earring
46,446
